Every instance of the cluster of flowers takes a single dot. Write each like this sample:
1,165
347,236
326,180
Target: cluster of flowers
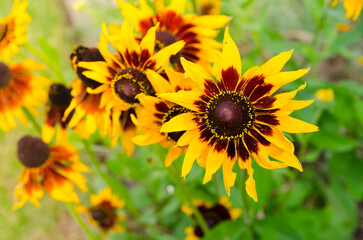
155,87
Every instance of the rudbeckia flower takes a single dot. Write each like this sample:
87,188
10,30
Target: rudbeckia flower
103,211
55,168
84,109
59,99
238,116
122,76
19,87
196,31
154,111
352,8
212,214
12,30
209,7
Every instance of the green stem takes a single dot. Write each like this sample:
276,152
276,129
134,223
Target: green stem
31,118
216,186
129,203
179,183
195,7
44,58
247,218
80,221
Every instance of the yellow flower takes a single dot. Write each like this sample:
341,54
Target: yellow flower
154,111
342,27
84,112
209,7
19,87
352,8
238,117
121,77
196,31
212,214
12,30
54,168
103,212
325,95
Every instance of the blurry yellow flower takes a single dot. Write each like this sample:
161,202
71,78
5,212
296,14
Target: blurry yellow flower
103,212
352,8
12,30
342,27
213,215
209,7
360,61
325,95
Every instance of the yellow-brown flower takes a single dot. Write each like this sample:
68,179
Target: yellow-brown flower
12,30
196,31
238,116
19,87
53,168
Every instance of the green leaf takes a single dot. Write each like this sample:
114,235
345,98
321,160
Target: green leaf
332,141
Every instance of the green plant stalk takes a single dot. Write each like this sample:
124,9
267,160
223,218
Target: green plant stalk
31,119
80,221
195,8
173,174
129,204
247,218
44,58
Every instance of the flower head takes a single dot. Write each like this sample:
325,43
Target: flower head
53,168
19,87
103,211
213,214
238,116
122,76
12,30
196,31
325,95
154,111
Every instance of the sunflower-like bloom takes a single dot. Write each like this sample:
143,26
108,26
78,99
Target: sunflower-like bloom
154,111
352,8
103,212
209,7
19,87
12,30
196,31
54,168
212,214
122,76
84,109
238,116
59,99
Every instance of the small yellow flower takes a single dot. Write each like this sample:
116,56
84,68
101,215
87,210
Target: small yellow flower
12,30
103,212
213,215
325,95
342,27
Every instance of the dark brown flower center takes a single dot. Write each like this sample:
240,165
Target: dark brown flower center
3,31
85,54
32,151
229,115
104,214
172,112
59,95
212,216
5,75
129,83
164,39
207,8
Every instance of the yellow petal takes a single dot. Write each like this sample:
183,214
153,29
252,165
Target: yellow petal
181,122
195,72
193,152
159,83
275,64
183,98
162,57
293,125
214,162
178,6
229,177
148,41
211,21
230,53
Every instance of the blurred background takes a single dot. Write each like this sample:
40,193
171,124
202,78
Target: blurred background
323,202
